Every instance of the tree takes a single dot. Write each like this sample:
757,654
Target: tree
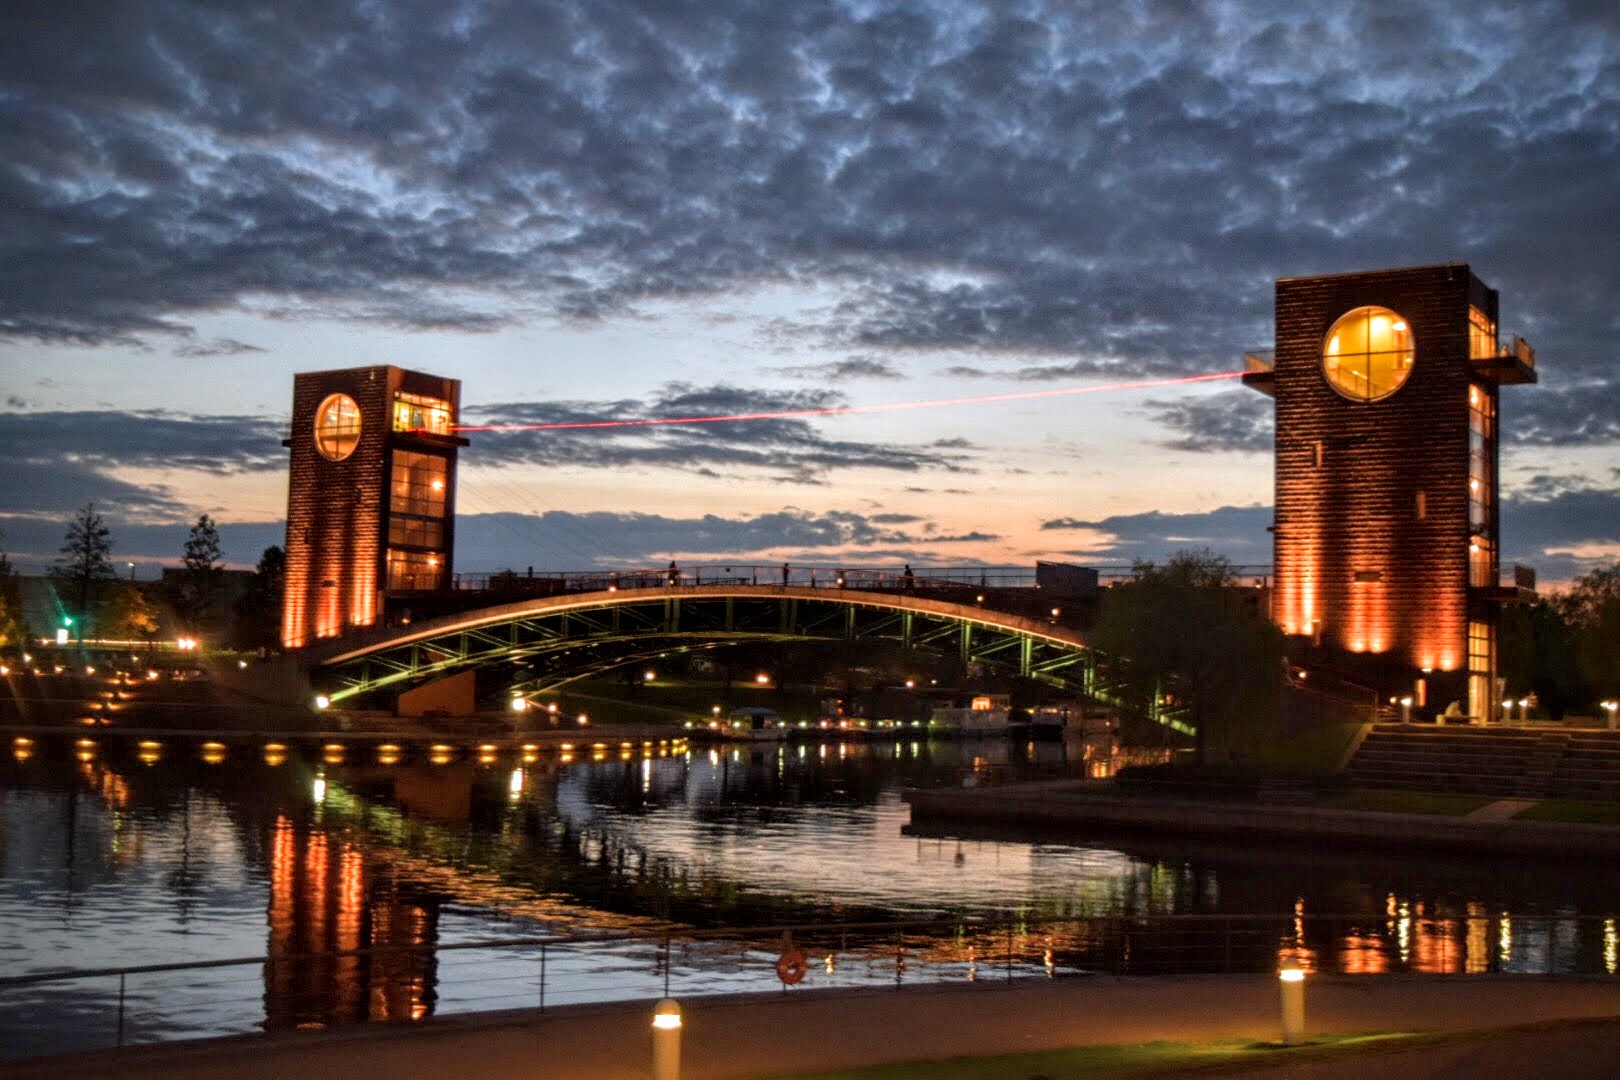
13,631
131,615
258,612
1187,624
1592,609
199,589
85,565
1536,653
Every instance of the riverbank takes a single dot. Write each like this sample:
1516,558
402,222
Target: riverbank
1090,805
729,1038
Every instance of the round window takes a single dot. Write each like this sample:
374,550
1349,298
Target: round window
1368,353
337,427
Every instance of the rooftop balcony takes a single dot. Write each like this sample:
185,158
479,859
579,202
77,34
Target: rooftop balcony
1260,370
1513,363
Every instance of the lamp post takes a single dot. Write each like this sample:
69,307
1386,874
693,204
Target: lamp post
1291,979
666,1064
1610,707
1406,709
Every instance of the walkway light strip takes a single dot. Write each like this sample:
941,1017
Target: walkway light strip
845,410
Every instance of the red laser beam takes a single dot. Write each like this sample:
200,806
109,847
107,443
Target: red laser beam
844,410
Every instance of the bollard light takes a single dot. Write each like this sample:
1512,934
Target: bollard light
1291,978
666,1064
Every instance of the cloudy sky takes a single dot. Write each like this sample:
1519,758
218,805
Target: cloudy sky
601,209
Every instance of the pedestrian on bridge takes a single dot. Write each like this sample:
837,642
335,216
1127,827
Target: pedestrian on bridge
784,575
674,573
909,578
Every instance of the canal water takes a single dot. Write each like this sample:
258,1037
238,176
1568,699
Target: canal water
167,854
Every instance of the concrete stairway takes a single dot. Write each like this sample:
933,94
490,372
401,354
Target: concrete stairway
1501,762
1589,767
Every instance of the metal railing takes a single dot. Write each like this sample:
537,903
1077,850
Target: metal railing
114,1007
883,579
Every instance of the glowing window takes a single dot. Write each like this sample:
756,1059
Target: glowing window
414,412
337,427
1368,354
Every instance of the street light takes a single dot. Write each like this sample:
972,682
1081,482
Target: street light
667,1040
1610,707
1291,979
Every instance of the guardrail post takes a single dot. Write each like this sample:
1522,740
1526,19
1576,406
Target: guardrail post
542,976
666,965
1009,953
120,1010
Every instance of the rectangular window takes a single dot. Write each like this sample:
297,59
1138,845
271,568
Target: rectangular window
1481,671
1481,458
414,571
413,412
1481,335
415,532
417,484
1481,563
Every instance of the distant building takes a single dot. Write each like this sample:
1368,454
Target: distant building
1386,533
371,495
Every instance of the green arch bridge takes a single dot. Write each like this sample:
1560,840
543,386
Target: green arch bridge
568,634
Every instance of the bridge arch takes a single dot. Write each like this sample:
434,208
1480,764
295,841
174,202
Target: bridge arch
701,616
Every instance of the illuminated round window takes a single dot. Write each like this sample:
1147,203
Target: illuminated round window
1368,354
337,427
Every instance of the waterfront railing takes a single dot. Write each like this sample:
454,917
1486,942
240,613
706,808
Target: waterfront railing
56,1011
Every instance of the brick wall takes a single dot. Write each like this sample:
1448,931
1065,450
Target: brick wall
1355,514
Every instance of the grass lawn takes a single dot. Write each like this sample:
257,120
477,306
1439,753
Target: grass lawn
1317,751
1145,1059
1405,802
1571,810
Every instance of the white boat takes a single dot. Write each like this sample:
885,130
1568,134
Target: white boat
985,715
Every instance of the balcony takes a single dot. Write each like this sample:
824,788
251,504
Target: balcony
1260,371
1513,363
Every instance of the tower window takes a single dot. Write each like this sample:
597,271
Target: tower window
1367,355
337,427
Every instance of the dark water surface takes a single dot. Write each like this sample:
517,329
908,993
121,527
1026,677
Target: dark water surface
159,856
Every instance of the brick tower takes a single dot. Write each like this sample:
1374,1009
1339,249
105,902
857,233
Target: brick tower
1386,533
370,496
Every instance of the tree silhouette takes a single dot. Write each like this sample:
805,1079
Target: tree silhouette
84,565
199,589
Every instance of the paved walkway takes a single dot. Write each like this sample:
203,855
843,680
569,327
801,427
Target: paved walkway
738,1037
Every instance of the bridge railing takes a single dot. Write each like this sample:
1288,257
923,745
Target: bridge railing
69,1010
882,579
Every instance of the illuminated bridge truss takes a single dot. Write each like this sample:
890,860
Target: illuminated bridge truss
577,635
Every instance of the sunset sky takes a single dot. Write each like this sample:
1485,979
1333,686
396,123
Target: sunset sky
603,209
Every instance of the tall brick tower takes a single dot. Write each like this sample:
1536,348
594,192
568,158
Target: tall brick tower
371,495
1386,531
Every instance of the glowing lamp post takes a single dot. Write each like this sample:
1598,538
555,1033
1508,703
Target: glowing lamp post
1291,978
1406,709
666,1024
1610,707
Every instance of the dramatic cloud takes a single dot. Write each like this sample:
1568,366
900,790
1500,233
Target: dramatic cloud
856,367
790,450
58,461
1237,532
216,347
1080,187
1239,420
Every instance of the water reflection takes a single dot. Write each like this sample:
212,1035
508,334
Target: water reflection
207,851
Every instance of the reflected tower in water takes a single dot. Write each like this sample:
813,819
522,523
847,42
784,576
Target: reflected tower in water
324,898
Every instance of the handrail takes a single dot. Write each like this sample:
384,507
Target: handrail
775,931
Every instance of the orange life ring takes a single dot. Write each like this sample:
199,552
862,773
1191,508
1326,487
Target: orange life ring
790,967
